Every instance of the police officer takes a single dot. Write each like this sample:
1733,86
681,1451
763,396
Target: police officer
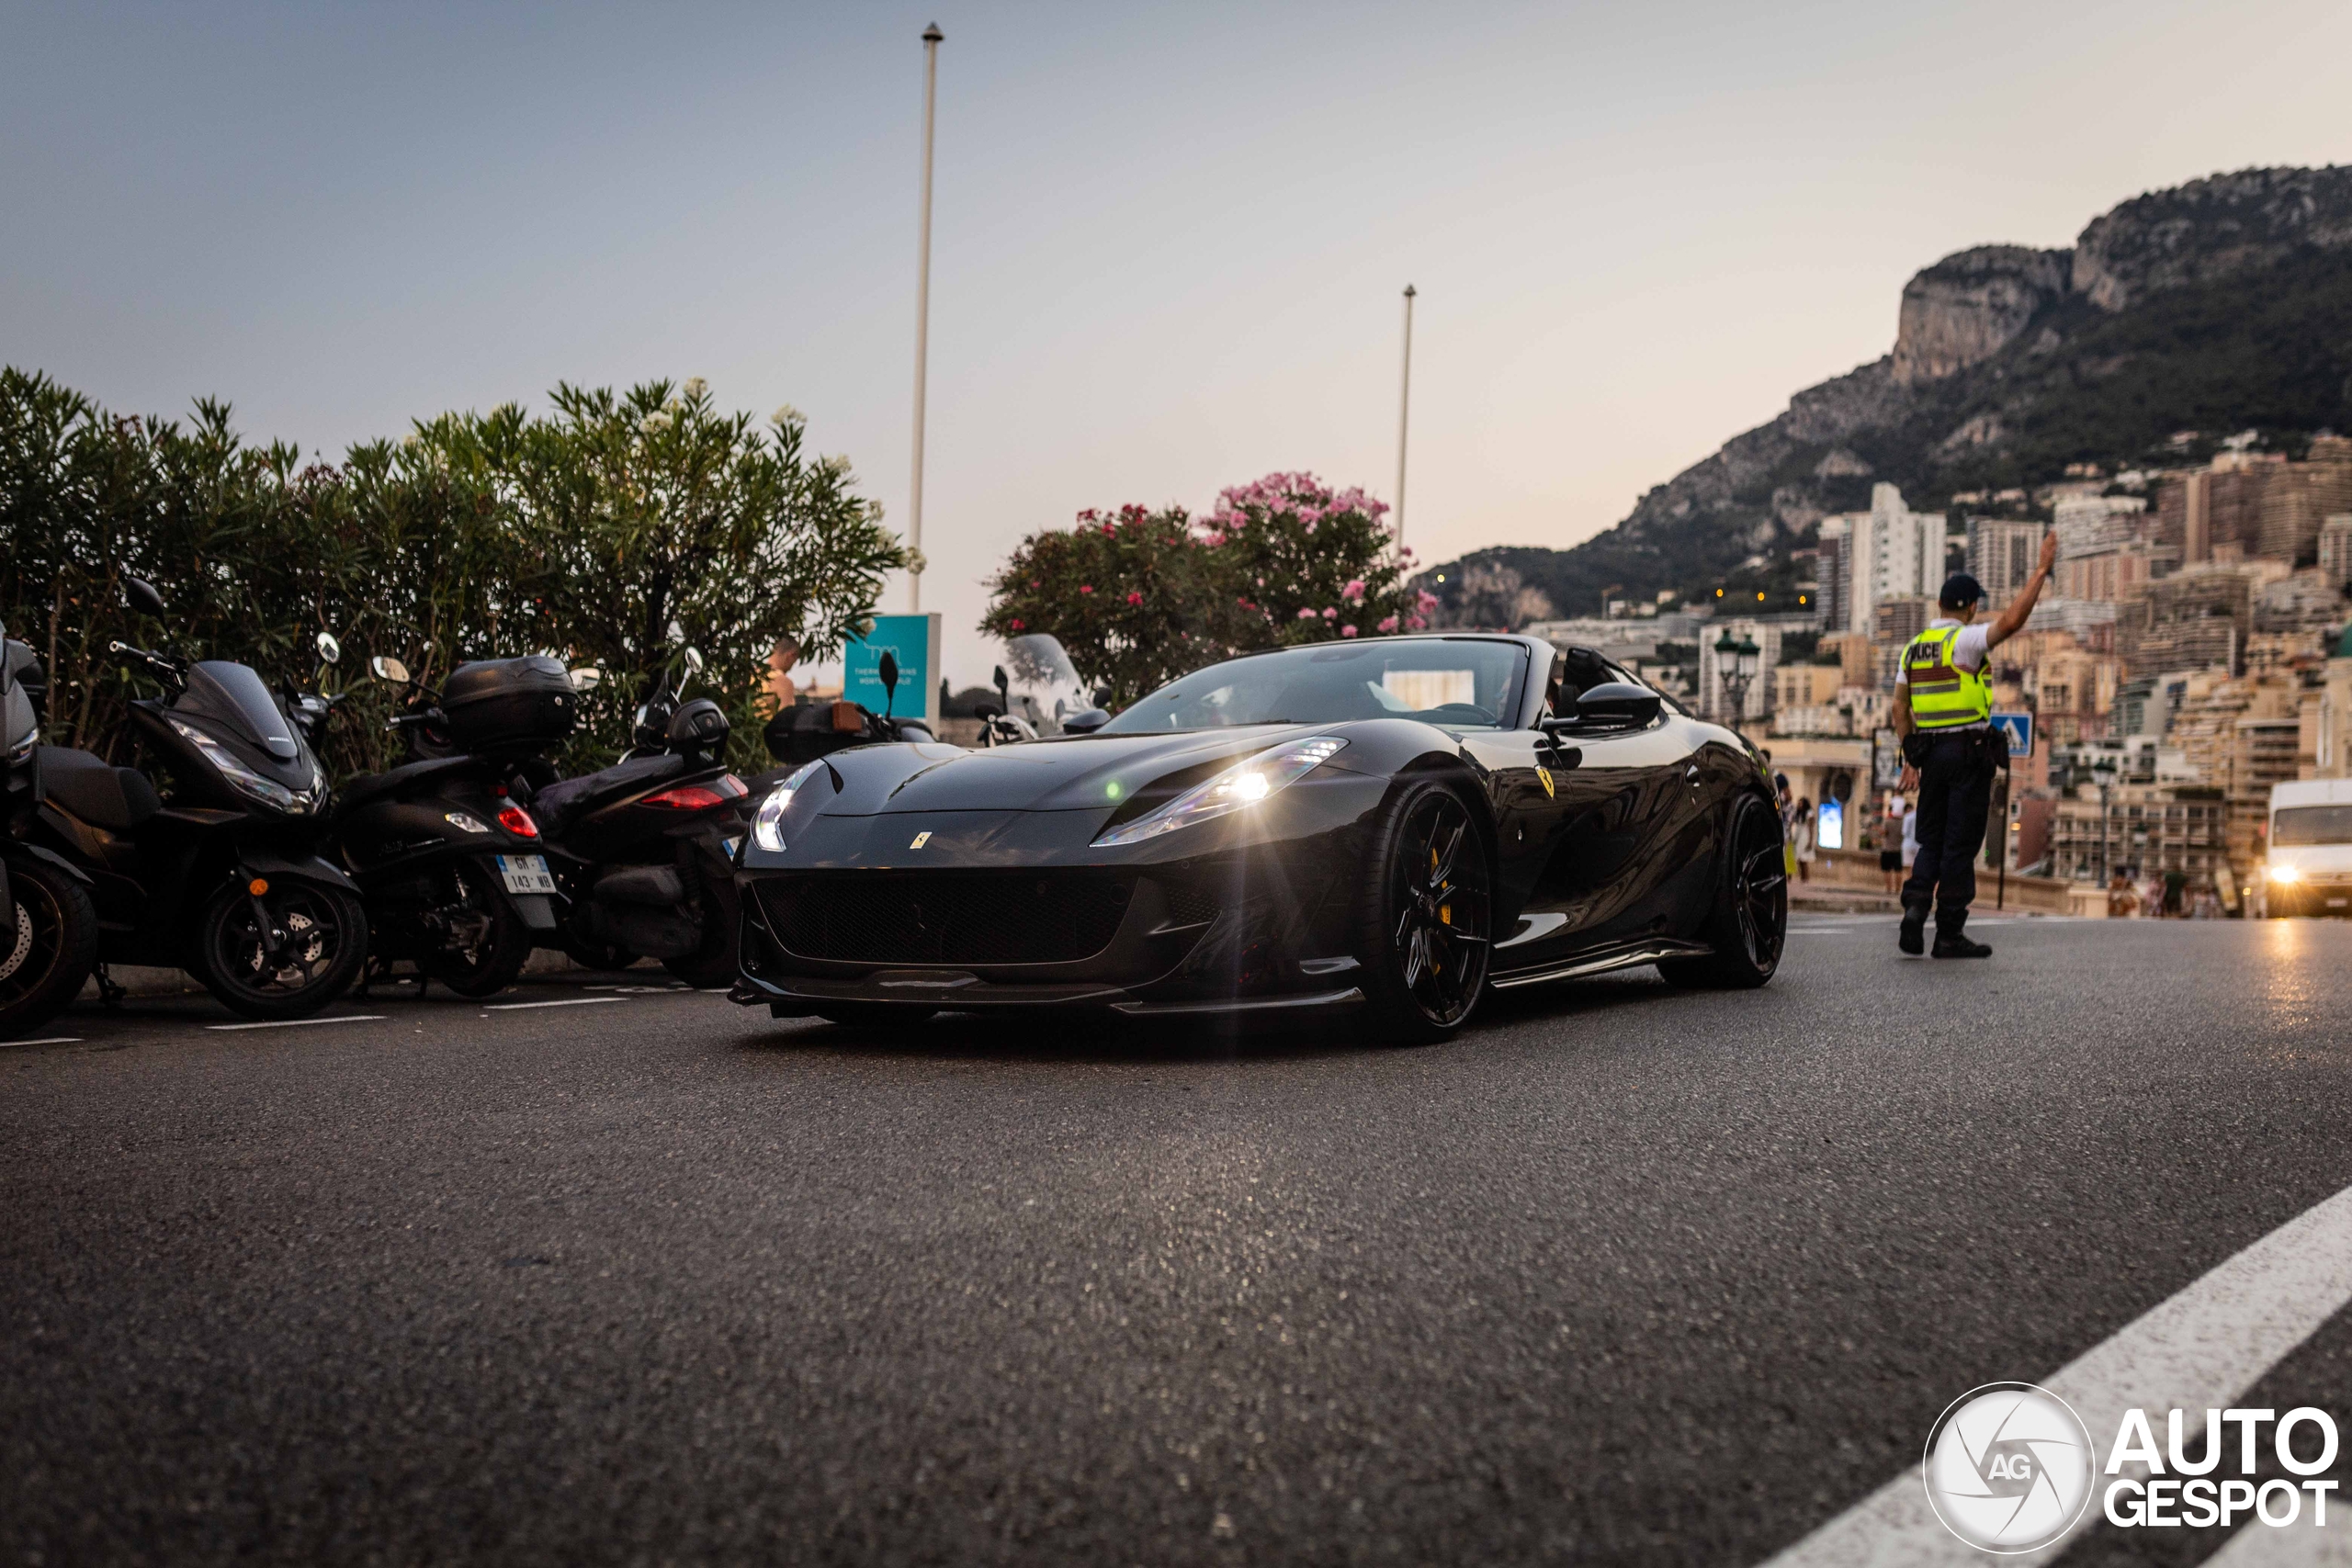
1943,710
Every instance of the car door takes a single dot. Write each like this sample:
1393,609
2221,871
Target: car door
1613,838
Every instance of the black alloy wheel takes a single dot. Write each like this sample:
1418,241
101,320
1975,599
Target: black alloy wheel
43,963
1423,914
474,942
285,953
1750,921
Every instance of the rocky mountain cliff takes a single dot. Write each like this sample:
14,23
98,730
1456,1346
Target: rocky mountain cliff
2219,305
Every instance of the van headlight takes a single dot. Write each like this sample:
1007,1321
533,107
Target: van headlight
2285,873
768,822
1244,783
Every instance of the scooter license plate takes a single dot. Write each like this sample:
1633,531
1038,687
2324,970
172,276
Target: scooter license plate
525,874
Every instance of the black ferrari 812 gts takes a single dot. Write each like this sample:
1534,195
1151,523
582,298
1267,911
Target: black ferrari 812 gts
1390,825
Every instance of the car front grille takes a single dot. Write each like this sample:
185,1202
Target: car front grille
893,917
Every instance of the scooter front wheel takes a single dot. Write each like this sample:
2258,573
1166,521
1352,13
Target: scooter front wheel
283,953
54,941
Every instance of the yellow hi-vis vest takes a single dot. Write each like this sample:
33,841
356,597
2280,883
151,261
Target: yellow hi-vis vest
1943,694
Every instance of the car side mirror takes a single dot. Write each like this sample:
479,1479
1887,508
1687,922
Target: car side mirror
1615,705
144,597
1086,721
390,670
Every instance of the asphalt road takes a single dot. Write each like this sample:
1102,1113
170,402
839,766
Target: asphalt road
1624,1275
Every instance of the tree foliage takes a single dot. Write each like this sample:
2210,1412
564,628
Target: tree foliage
1139,597
590,532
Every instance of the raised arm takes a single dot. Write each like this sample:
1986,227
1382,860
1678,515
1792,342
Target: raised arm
2020,608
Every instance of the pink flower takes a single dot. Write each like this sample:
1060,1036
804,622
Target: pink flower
1086,588
1389,624
1018,624
1306,614
1414,623
1213,540
1347,631
1429,601
1135,598
1331,615
1353,591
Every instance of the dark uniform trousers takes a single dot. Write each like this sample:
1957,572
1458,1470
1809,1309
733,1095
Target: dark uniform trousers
1955,793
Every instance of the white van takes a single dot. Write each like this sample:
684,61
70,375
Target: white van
2310,869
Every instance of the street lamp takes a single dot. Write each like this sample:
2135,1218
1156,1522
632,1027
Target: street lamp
1736,665
2103,772
932,37
1404,409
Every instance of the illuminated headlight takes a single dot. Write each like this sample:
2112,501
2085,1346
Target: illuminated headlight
767,823
2285,873
269,792
1243,784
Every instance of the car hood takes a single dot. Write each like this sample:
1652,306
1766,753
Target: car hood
1067,773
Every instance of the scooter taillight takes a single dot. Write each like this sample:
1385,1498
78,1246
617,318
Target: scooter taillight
517,821
701,797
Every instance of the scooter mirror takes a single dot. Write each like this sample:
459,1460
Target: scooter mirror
587,678
390,670
330,650
693,660
142,597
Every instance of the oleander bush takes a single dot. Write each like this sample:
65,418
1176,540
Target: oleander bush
613,530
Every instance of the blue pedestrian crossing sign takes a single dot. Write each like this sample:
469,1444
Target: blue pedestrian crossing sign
2019,728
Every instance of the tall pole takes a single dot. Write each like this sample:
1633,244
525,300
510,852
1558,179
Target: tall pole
930,40
1404,414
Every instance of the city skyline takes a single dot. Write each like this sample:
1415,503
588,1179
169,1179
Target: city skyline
1166,252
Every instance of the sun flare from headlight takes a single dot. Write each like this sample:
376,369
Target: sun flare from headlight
1244,783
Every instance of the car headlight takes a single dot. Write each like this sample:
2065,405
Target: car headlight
1244,783
768,822
269,792
2285,873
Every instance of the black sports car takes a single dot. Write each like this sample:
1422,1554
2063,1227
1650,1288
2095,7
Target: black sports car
1393,824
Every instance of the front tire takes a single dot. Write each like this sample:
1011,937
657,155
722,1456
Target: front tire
1423,924
1750,922
321,943
56,942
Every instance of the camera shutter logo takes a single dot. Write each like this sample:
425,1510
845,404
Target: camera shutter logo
2008,1467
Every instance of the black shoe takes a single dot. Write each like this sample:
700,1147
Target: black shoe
1958,946
1915,923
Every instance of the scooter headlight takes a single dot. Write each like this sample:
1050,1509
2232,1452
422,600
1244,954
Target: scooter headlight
767,823
269,792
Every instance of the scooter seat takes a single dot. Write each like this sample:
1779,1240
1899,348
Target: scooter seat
360,791
566,800
89,787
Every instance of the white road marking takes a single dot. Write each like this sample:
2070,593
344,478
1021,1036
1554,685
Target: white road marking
297,1022
564,1002
2204,1347
46,1040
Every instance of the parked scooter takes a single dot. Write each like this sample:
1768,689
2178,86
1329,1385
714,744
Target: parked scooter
645,849
452,865
48,927
802,734
223,878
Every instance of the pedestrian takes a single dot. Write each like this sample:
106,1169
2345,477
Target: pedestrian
1895,858
2175,891
1801,838
2121,902
1943,712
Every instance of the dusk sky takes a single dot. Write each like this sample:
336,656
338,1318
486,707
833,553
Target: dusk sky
1169,242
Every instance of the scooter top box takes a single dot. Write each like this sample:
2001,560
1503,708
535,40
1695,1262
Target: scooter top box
510,704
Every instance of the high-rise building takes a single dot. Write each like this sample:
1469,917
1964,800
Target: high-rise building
2090,525
2335,549
1888,552
1830,570
2001,554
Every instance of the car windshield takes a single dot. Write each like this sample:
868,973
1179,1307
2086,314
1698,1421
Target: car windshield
1461,682
2311,825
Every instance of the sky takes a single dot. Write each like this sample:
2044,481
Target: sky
1169,242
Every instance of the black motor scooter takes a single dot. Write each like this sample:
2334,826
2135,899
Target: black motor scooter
221,877
451,864
645,849
48,927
